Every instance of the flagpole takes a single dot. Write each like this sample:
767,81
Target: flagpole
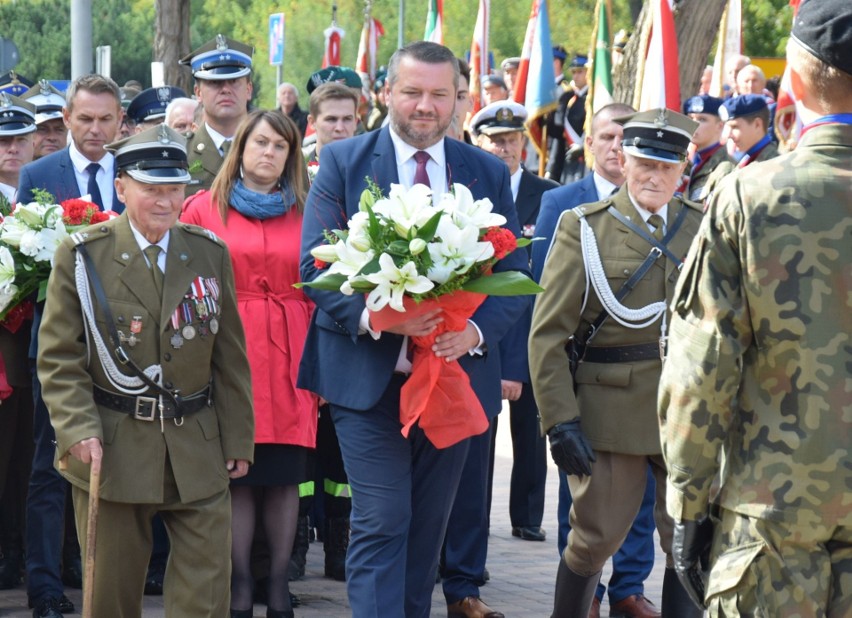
400,41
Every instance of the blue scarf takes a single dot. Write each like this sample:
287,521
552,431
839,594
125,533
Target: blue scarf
261,205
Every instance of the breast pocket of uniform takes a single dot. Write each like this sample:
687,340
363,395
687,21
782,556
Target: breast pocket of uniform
134,325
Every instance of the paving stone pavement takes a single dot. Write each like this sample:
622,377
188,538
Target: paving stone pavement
522,572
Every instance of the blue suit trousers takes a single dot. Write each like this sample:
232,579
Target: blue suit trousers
402,492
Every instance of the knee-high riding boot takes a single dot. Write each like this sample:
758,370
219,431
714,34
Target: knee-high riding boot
676,601
574,593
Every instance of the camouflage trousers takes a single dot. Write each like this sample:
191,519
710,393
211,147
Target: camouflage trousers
769,569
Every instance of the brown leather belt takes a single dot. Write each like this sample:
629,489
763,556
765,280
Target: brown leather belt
145,408
622,353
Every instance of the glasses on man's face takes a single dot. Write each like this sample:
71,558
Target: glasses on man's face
127,122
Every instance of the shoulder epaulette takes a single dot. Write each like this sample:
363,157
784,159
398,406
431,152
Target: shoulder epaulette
590,209
91,233
197,230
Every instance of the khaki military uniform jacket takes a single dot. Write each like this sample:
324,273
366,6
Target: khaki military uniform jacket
758,372
770,151
204,160
720,160
135,451
616,402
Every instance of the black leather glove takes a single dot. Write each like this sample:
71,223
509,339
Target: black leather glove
570,449
691,553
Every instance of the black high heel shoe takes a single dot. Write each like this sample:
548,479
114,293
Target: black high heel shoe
272,613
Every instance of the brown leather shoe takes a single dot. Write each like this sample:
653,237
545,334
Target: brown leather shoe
471,607
634,606
595,609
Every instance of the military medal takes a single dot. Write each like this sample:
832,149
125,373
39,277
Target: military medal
176,340
214,325
136,324
188,332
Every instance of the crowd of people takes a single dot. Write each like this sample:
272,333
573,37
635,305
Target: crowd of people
687,362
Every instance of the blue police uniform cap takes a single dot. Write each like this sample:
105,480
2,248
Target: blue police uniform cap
658,134
151,103
495,80
14,84
17,117
47,99
579,62
155,156
344,75
743,105
702,104
219,59
499,117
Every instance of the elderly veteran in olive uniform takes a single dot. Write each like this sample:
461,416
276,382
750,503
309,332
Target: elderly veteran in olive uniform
595,351
710,153
758,374
222,71
143,364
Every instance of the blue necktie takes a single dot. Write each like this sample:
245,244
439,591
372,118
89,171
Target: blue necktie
94,190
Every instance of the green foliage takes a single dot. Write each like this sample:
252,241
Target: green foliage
41,30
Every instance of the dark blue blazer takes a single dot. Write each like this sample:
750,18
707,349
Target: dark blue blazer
353,370
513,347
54,173
553,204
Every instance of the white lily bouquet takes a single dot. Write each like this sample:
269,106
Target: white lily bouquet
404,245
409,254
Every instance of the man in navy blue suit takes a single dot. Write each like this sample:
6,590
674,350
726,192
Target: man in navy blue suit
92,115
632,564
402,488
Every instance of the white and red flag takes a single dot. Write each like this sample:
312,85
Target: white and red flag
659,78
333,36
729,44
368,49
479,54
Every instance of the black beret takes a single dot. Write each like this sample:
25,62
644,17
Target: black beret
824,28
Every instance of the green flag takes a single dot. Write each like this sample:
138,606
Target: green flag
601,91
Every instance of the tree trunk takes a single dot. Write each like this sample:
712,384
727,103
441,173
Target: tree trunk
171,41
696,24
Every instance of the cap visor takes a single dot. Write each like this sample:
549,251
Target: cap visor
656,154
222,73
161,176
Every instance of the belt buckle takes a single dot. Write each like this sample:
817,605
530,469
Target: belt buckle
141,413
663,344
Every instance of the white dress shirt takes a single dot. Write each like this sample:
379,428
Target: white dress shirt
105,177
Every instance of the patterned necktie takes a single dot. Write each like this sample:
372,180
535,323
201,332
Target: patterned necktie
420,176
152,252
94,190
226,146
659,226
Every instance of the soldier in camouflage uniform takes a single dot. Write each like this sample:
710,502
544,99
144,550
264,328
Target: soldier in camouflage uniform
758,371
600,414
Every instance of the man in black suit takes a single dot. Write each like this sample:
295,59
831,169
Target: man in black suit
402,487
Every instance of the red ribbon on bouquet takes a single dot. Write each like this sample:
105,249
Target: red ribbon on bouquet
438,394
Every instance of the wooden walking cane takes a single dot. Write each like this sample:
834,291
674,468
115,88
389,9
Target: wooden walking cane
91,538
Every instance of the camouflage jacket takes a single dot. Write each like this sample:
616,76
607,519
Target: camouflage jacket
758,369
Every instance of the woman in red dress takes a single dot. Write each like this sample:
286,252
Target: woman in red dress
255,206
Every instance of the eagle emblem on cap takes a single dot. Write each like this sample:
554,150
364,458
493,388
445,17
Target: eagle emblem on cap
662,119
504,114
164,94
221,43
4,100
163,134
45,86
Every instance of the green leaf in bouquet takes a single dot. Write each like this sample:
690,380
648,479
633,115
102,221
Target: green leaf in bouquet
507,283
330,282
427,232
42,290
371,267
524,242
399,248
